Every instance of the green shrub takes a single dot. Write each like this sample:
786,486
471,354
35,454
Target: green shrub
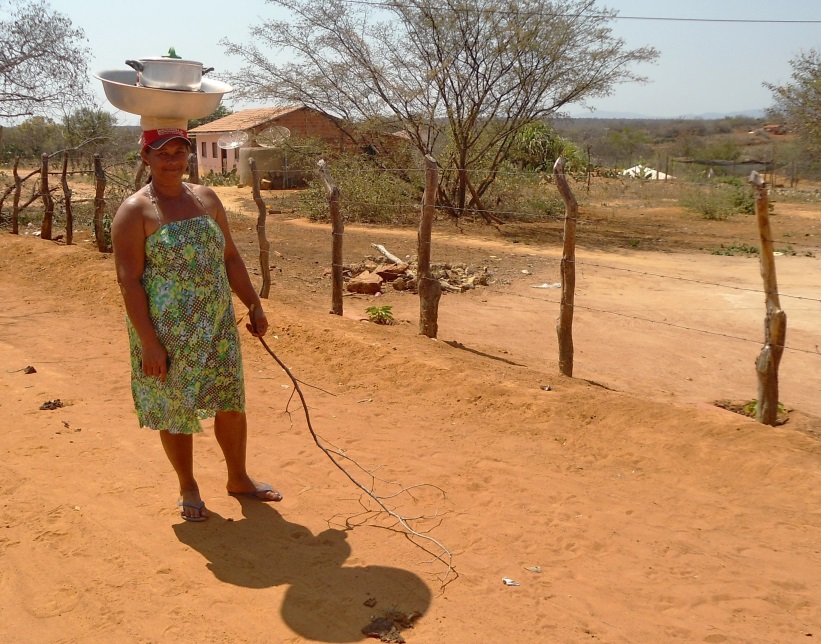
368,194
721,199
220,179
380,314
738,248
524,196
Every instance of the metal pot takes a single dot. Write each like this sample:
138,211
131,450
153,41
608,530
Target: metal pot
169,73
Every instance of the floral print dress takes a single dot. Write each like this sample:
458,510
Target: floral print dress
189,300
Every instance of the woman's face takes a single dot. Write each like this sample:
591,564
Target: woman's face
170,160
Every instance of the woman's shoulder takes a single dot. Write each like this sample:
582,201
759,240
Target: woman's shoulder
203,192
133,205
207,197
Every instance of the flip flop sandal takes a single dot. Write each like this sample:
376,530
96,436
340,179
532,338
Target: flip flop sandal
262,488
196,506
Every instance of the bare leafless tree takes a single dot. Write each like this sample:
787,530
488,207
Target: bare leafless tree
459,77
42,60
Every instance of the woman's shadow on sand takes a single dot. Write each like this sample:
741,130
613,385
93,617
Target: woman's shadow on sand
325,600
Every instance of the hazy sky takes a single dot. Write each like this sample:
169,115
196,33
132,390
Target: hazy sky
703,67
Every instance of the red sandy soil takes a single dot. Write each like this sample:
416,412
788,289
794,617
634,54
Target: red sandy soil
651,514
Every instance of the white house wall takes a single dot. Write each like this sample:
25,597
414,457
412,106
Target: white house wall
210,156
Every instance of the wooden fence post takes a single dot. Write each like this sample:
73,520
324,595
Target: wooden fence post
564,325
775,321
67,197
99,205
429,288
18,187
48,202
264,245
337,231
193,168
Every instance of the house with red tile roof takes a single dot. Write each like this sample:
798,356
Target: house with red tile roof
300,120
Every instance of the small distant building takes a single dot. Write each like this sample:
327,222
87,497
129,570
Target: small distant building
645,172
301,120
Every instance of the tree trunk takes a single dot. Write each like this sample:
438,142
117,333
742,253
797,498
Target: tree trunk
99,205
48,202
564,325
429,288
775,320
264,245
489,217
337,232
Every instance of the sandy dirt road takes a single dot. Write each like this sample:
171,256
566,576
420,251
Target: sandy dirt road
651,514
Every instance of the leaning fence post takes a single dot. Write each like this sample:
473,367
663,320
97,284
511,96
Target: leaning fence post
337,230
48,202
564,325
775,321
264,245
429,288
67,197
99,205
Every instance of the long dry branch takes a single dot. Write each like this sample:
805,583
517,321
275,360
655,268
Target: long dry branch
445,556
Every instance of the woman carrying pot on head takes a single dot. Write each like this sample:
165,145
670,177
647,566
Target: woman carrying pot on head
176,266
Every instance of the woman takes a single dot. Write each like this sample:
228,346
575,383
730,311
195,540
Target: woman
176,265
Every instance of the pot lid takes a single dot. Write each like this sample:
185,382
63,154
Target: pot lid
171,56
166,59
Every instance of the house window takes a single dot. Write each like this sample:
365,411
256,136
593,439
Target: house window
204,150
214,152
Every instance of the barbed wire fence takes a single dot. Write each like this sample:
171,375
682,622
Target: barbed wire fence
385,195
618,193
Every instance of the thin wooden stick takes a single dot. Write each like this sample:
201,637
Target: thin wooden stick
446,556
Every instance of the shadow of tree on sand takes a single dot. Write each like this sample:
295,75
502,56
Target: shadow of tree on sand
325,600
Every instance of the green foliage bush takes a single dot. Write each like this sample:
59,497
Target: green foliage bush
380,314
220,179
537,146
720,199
368,193
524,196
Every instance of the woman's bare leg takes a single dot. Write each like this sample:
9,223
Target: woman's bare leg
179,448
231,430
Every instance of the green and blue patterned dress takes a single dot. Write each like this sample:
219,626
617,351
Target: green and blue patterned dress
190,305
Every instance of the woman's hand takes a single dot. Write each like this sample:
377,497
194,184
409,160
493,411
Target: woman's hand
155,361
258,323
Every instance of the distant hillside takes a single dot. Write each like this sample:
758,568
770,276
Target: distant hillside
706,116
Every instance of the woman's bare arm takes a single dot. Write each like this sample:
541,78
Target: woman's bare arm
235,267
128,238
